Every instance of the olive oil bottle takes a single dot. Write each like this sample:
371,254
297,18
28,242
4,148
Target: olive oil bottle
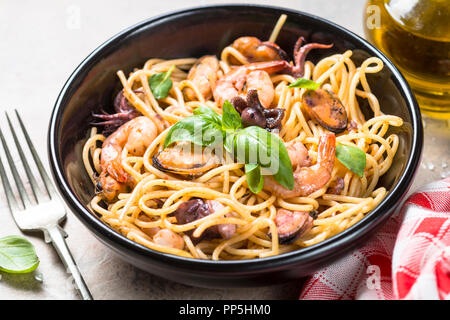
415,35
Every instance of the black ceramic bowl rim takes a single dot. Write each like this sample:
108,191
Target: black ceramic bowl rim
344,239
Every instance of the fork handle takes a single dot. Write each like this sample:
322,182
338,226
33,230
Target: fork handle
56,235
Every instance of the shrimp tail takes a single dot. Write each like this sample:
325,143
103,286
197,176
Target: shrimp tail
107,187
308,179
326,149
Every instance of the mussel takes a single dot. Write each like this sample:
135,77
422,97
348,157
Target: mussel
326,108
186,160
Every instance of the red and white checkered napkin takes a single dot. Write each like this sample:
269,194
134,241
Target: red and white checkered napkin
409,258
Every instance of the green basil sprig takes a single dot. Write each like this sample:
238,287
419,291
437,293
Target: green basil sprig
160,83
253,146
17,255
201,129
304,84
255,179
352,158
208,113
231,119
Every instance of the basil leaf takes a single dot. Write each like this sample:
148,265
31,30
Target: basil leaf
229,142
198,129
255,145
255,179
231,119
304,83
17,255
160,83
284,175
208,112
352,157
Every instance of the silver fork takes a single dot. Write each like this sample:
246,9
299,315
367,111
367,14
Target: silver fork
47,210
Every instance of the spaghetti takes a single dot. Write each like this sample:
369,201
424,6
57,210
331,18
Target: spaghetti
155,195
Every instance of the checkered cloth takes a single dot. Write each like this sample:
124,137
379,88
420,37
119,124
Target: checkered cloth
409,258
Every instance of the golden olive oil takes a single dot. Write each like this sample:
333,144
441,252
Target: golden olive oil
415,35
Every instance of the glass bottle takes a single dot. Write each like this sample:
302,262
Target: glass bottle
415,36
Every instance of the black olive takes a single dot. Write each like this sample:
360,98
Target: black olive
253,100
253,117
274,117
239,103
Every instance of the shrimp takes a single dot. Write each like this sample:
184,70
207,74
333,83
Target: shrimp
298,154
256,75
108,187
249,76
168,238
257,51
204,75
250,48
307,179
163,237
135,135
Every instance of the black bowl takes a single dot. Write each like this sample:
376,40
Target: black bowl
206,30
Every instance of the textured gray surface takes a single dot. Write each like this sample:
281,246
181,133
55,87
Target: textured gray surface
42,42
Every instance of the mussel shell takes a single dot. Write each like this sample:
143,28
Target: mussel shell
181,161
326,108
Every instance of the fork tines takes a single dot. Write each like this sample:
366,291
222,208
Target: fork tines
46,211
37,191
